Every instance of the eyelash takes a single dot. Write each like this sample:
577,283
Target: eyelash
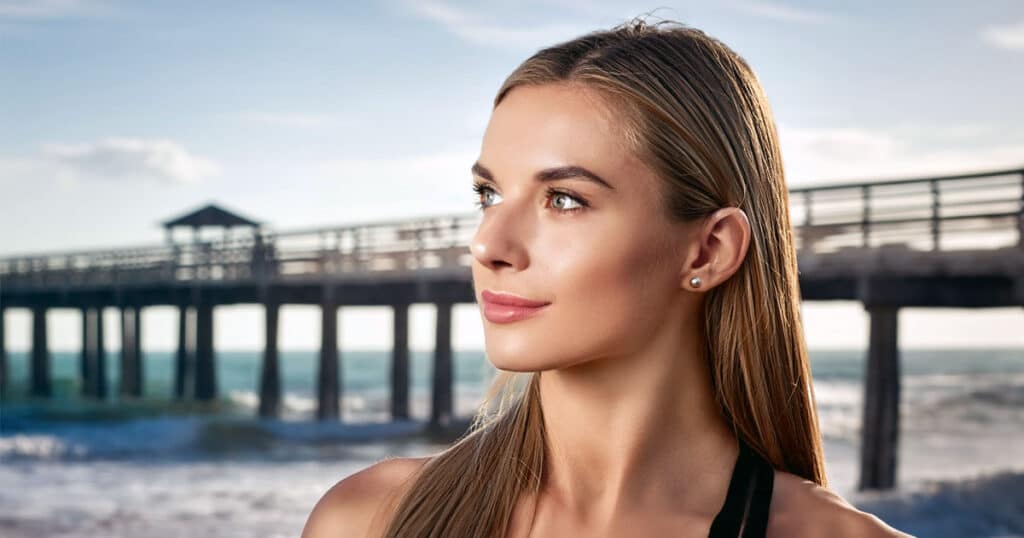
481,188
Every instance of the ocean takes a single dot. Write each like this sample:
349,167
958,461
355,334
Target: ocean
155,467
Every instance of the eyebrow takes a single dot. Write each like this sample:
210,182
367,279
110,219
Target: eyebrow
551,174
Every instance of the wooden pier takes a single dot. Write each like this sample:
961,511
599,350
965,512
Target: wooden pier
952,241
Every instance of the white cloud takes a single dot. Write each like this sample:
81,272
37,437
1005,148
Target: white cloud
49,9
956,133
473,28
501,31
782,12
128,159
1006,36
417,175
15,167
371,189
290,119
823,155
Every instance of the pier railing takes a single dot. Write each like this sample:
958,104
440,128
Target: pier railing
968,211
380,247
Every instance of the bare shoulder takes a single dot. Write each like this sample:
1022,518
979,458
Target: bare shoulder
802,508
356,504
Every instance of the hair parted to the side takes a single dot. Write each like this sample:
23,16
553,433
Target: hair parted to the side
694,110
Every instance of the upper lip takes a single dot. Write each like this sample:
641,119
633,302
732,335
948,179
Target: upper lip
511,299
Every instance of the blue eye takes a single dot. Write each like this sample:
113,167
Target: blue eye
553,193
483,189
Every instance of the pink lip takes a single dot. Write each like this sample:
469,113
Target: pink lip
510,299
506,308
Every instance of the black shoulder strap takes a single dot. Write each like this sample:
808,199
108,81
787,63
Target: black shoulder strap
745,509
757,516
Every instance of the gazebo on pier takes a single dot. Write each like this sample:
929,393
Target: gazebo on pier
209,216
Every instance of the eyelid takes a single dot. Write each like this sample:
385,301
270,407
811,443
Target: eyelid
480,184
551,191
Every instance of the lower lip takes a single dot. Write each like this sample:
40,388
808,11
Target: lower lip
502,313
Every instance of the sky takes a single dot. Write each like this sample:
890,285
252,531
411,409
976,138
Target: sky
116,115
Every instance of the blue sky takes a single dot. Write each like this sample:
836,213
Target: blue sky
117,115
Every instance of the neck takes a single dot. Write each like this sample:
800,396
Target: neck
637,431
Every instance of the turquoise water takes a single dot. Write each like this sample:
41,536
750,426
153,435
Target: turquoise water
368,370
930,377
365,377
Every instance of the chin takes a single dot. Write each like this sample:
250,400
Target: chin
517,358
526,358
513,363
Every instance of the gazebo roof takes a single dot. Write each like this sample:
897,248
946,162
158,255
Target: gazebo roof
210,215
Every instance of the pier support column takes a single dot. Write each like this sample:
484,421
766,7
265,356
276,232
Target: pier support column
131,360
40,372
880,430
90,353
99,366
83,358
441,395
206,368
328,384
270,375
184,358
140,362
3,358
1020,218
400,363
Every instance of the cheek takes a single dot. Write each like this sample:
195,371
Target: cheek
606,291
612,295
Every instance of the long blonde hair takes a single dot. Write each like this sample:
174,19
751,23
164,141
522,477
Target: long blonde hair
695,111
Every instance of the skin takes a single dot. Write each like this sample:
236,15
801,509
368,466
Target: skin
620,345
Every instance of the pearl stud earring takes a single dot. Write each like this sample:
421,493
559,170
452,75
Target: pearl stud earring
695,281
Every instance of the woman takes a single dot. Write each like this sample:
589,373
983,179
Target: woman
633,200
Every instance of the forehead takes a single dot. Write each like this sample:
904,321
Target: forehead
540,126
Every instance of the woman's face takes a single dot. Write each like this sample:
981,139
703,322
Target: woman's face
605,257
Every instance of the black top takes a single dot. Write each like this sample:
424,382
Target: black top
745,511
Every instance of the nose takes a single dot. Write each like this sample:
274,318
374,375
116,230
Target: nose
499,240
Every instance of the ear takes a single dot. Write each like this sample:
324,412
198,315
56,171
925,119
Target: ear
717,249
